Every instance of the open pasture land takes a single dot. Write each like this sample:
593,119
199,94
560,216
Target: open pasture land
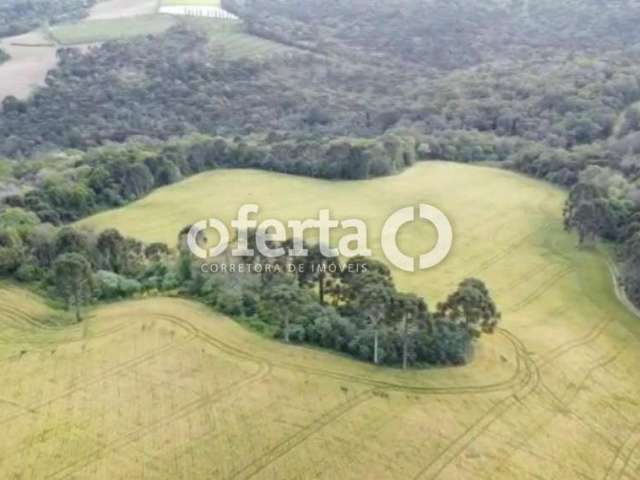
231,40
164,388
94,31
32,56
167,389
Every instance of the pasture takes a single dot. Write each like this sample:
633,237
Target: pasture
32,56
231,40
167,389
94,31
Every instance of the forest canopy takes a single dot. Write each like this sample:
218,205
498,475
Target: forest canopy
547,88
21,16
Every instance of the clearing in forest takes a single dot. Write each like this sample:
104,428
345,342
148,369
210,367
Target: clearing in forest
167,389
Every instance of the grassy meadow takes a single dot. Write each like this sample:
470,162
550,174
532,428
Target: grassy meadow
32,56
167,389
231,40
92,31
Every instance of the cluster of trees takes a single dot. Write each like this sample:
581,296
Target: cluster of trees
353,308
113,176
604,204
21,16
4,56
77,265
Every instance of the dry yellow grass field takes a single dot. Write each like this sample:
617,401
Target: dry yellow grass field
167,389
30,61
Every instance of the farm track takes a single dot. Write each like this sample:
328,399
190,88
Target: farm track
565,409
618,466
526,368
264,369
495,413
461,443
541,290
96,379
526,380
290,443
513,245
358,379
633,442
179,414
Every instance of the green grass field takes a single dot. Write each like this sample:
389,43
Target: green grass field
167,389
93,31
232,40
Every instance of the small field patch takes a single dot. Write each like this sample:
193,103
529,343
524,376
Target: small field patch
231,39
94,31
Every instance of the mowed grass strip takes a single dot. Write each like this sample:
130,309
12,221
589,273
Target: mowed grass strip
94,31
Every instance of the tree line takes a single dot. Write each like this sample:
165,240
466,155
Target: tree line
113,176
4,56
605,205
21,16
77,265
354,308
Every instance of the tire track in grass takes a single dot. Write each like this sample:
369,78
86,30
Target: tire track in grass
358,379
618,466
502,254
47,343
264,369
541,290
525,440
18,314
289,444
179,414
560,350
621,458
496,413
94,380
461,443
478,428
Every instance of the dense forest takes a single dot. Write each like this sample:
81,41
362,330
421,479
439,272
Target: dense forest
65,189
445,34
547,88
21,16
